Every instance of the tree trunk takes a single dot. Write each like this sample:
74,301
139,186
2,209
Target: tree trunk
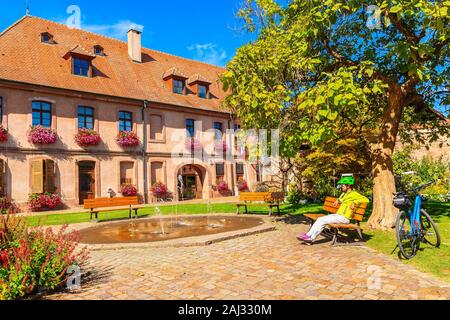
384,213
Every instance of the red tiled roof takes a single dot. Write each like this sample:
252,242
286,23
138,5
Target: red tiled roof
198,78
23,58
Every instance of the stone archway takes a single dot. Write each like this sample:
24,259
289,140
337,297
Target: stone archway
191,182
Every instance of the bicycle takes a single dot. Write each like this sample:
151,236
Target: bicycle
414,225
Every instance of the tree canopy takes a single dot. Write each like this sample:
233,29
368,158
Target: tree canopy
326,70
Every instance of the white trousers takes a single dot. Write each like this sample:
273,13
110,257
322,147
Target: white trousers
320,224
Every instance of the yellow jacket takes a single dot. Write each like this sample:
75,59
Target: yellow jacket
346,200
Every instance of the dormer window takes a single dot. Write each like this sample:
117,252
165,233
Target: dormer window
199,85
202,91
80,61
98,50
47,38
81,67
178,86
176,79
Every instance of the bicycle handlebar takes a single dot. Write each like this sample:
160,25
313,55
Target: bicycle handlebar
424,186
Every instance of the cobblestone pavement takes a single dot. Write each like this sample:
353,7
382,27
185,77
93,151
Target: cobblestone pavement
272,265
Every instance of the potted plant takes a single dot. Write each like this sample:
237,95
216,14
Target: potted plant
41,135
127,139
159,190
3,134
220,146
243,186
43,201
128,190
193,144
87,137
223,188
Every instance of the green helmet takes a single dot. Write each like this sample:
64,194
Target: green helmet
347,181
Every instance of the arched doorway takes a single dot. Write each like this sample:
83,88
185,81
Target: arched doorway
190,182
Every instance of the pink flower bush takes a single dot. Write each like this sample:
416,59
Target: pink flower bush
87,137
34,260
3,134
243,186
41,135
128,190
5,204
221,146
159,190
43,201
223,186
193,144
127,139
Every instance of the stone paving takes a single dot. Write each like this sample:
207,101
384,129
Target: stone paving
272,265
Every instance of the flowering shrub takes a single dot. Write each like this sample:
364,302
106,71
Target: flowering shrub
43,201
223,186
7,206
128,190
193,144
243,186
35,260
41,135
3,134
87,137
159,190
127,139
221,146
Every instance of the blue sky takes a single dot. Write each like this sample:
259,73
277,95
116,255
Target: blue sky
205,30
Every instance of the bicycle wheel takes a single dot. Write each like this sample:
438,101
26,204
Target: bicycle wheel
407,243
430,233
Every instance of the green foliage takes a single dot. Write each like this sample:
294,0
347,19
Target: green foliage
426,169
35,260
317,72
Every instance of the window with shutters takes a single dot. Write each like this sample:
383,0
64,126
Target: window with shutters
126,172
43,176
2,178
239,171
220,172
156,128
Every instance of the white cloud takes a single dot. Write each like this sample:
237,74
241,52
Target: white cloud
209,53
117,30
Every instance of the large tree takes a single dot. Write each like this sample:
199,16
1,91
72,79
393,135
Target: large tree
324,70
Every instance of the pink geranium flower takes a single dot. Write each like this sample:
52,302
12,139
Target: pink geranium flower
41,135
3,134
87,137
127,139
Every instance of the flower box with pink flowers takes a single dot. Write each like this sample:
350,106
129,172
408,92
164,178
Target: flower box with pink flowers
40,135
127,139
193,144
3,134
128,190
43,201
87,137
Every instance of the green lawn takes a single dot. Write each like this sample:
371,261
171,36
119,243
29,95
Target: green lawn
428,259
70,218
435,261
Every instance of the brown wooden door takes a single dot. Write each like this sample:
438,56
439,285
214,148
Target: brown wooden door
86,181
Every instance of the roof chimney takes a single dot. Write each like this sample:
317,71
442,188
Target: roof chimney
135,45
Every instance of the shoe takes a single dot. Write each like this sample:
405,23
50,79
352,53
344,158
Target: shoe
302,237
305,238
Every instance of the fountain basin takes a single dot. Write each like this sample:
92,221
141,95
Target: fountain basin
172,231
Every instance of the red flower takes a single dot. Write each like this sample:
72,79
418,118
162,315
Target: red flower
87,137
3,134
128,190
41,135
43,201
159,190
223,186
127,139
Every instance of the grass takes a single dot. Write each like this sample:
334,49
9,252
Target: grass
428,259
434,261
71,218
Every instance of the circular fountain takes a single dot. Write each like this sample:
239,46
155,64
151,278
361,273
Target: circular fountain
160,229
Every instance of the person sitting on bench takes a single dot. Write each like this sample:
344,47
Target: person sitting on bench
348,200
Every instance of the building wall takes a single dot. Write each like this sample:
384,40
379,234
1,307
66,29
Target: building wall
17,152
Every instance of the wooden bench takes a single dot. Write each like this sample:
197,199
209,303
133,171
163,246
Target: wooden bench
112,204
266,199
358,215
